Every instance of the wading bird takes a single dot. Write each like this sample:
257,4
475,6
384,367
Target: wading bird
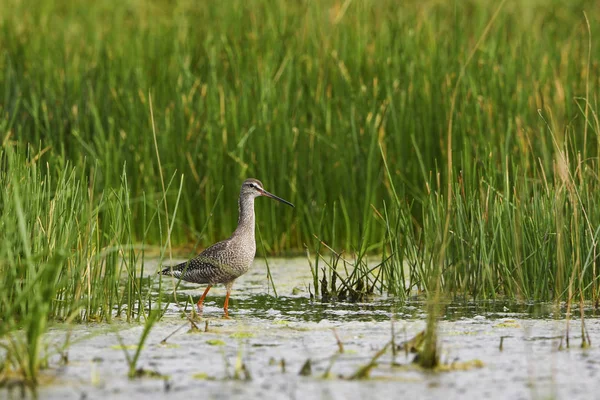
225,261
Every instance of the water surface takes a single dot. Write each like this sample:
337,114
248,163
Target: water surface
274,337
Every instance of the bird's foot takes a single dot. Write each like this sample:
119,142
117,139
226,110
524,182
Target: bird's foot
199,309
226,316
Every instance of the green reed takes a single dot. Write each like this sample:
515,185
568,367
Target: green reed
67,254
298,94
528,238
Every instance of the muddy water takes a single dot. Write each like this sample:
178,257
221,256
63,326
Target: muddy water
274,337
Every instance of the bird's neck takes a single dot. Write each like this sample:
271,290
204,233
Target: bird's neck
246,217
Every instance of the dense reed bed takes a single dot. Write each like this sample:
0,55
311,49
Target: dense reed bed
297,94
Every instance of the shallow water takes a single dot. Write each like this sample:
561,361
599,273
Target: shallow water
273,338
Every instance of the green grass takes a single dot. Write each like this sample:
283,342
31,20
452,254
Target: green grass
297,94
59,239
66,254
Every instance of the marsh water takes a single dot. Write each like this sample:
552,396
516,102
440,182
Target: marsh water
260,351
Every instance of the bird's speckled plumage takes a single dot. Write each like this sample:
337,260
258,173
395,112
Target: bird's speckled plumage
225,261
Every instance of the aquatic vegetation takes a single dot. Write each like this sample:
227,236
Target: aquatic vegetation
242,335
203,376
241,371
508,324
463,153
307,116
62,255
351,279
67,254
306,369
364,371
132,360
215,342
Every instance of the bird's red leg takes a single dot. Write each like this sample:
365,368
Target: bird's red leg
199,305
226,305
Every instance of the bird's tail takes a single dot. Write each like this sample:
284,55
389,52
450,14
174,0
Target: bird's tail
174,270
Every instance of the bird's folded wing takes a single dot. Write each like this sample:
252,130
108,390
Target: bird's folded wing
204,265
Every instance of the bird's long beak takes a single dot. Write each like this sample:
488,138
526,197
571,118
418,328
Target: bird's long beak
265,193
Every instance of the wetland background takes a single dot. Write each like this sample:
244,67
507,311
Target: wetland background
454,143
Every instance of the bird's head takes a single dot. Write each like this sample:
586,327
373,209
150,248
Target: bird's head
254,188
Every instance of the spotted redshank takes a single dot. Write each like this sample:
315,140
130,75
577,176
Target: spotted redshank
225,261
